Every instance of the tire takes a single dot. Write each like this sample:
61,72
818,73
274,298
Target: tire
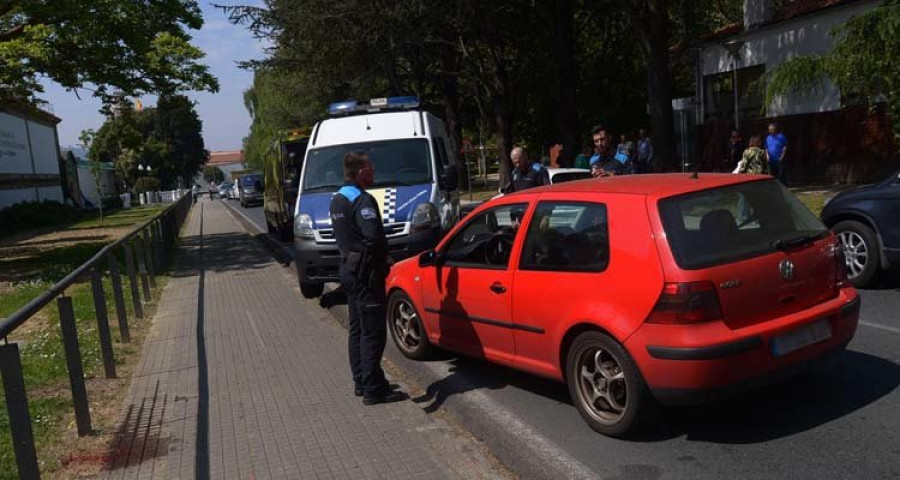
618,411
312,289
406,327
860,251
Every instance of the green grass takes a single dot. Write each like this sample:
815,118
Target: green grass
814,201
44,367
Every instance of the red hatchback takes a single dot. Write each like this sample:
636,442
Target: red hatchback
634,290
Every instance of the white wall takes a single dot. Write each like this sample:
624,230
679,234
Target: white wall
773,45
14,149
43,148
54,194
89,187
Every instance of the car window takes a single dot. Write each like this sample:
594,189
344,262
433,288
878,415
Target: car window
567,237
722,225
570,176
487,239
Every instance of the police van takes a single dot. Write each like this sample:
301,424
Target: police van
416,180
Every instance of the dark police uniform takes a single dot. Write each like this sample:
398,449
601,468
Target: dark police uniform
359,232
535,176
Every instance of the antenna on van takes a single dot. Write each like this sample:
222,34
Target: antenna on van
695,175
415,132
368,127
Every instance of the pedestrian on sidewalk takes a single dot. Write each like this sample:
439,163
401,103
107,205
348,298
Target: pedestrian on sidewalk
776,148
365,263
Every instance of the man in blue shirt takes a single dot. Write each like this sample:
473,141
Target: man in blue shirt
776,147
604,163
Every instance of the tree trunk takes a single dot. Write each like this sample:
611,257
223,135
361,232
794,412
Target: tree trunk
503,117
565,106
450,90
651,20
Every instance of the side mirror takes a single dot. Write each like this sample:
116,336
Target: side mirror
449,179
430,258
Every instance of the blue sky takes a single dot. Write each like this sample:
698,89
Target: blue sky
225,120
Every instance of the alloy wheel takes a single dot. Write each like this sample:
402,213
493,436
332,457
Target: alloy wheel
406,325
601,385
856,252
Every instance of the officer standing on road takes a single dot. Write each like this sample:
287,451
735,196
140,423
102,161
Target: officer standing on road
359,232
525,174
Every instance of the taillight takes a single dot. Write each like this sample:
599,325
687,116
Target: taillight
683,303
840,270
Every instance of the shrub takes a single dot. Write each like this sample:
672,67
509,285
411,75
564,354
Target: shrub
146,184
26,215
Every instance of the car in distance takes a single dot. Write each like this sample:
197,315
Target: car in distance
635,290
866,219
250,189
225,189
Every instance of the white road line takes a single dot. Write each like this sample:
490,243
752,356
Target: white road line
252,222
880,327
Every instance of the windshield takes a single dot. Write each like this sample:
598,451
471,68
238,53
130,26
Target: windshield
723,225
251,180
397,162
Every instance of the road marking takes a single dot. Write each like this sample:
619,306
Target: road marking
880,327
252,222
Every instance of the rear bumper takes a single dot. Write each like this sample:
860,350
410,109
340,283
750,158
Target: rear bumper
318,262
681,368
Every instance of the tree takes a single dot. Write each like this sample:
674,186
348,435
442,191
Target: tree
213,174
862,63
110,45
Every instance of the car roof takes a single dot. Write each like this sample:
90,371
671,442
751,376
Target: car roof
655,185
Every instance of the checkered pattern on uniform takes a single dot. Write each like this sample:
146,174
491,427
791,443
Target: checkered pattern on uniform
390,205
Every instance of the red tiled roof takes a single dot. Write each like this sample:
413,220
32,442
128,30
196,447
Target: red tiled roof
228,157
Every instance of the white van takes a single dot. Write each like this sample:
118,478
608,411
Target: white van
416,179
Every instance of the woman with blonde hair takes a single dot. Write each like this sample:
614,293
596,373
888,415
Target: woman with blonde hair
754,159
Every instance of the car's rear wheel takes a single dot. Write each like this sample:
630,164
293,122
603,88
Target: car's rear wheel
406,327
606,386
312,289
860,251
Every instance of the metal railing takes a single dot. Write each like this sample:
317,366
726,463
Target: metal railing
146,251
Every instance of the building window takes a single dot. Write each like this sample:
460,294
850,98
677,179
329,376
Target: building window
719,94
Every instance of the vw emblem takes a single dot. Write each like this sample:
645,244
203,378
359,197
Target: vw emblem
786,267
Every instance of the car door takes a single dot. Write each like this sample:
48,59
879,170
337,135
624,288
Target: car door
887,213
467,296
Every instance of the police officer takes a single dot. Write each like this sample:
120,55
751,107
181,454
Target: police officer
359,232
525,174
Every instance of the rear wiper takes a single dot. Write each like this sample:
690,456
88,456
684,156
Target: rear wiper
796,241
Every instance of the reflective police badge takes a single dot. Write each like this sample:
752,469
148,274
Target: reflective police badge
368,214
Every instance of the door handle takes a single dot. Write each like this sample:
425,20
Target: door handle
498,287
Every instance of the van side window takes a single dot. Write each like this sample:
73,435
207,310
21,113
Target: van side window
439,154
567,237
445,154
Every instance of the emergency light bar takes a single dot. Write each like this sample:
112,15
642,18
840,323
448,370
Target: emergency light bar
350,107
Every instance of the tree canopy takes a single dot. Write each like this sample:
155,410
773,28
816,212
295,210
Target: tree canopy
166,138
108,46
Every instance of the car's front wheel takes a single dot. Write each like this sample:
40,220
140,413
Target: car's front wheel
406,327
860,251
606,386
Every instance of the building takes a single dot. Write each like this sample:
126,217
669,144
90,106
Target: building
29,155
227,161
832,138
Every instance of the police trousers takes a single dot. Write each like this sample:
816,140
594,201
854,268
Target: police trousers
366,303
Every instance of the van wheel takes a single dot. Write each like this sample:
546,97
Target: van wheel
860,251
406,327
312,289
606,386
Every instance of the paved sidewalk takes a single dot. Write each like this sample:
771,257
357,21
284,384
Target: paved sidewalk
266,392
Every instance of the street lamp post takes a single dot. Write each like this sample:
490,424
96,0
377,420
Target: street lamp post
734,48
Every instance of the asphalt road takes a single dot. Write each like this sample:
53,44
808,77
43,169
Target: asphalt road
840,420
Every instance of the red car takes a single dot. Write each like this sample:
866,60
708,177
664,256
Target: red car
634,290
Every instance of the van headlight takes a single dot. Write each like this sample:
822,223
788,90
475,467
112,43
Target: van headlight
303,226
425,216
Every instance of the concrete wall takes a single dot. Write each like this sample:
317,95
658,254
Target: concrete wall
29,161
775,44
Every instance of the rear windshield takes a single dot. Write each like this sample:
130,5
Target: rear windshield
723,225
251,180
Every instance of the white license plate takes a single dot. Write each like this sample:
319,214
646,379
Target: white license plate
801,337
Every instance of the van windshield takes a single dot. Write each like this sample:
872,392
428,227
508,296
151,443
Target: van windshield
724,225
397,162
250,180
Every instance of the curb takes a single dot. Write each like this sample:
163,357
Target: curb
515,443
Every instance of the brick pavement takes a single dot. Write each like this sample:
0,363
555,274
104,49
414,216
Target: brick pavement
267,393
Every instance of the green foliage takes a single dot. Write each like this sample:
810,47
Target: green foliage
146,184
166,138
28,215
110,45
213,174
862,64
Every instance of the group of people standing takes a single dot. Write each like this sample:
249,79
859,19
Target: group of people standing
758,157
